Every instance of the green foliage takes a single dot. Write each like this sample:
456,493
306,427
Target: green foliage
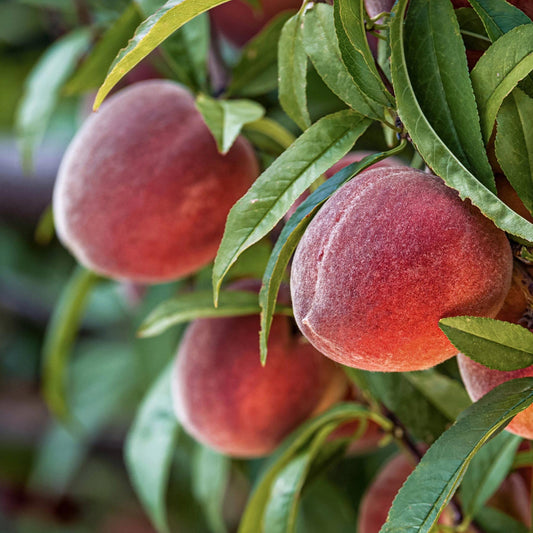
293,72
322,47
226,118
211,472
199,304
432,147
426,402
502,66
514,144
60,336
439,76
43,88
486,471
493,343
256,72
149,448
272,194
150,34
94,68
440,471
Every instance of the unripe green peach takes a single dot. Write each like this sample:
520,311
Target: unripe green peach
391,253
228,401
142,192
239,22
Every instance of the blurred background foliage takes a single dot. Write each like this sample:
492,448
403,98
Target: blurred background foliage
59,479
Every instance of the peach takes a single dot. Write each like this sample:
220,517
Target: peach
348,159
224,397
375,7
512,497
239,22
479,379
391,253
142,193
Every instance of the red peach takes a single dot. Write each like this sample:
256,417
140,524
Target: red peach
239,22
391,253
227,400
142,193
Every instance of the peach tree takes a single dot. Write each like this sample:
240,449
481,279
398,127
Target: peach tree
446,89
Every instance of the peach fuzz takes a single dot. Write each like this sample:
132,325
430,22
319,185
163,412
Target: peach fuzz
479,379
238,21
391,253
512,497
142,193
224,397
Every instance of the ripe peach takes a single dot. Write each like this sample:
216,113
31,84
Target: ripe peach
142,193
239,22
512,497
227,400
479,379
391,253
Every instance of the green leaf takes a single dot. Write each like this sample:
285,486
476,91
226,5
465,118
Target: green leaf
322,47
210,476
498,16
499,70
269,135
432,148
293,73
60,335
149,35
324,507
281,510
225,118
94,69
487,470
186,50
494,521
291,235
272,194
149,448
101,378
472,29
514,144
253,515
187,307
43,87
493,343
430,487
438,72
425,402
353,44
256,72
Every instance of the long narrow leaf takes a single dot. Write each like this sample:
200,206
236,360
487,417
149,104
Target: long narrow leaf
149,35
60,335
425,494
434,151
272,194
